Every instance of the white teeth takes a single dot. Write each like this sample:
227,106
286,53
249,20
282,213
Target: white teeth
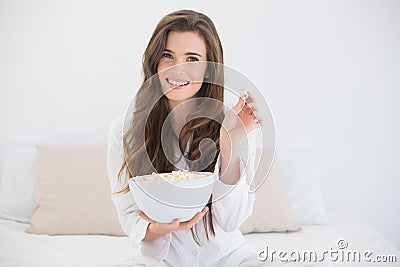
176,83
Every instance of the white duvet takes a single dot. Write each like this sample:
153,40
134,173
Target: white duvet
18,248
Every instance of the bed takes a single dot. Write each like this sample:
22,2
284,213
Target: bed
25,240
21,249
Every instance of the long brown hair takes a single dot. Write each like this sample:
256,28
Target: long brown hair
151,107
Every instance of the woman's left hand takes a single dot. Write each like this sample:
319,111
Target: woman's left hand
241,119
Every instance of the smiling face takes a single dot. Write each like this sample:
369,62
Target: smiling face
182,67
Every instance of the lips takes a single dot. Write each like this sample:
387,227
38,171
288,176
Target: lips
177,82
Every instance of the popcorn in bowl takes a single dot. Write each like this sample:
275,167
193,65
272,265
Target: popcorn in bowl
177,194
181,175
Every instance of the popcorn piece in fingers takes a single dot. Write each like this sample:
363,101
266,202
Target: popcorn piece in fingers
244,95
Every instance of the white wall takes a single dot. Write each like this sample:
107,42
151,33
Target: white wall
330,71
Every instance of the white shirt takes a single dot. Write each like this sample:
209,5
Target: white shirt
179,248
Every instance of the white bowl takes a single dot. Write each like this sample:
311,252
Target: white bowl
163,200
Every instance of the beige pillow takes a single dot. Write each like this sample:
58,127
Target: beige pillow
72,193
272,211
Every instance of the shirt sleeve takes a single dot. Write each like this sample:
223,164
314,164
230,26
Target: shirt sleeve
132,224
233,204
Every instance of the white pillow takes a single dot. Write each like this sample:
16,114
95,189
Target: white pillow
18,176
301,183
77,199
17,182
272,211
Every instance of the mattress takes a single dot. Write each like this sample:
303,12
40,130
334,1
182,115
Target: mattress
18,248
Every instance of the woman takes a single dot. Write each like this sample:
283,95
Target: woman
181,66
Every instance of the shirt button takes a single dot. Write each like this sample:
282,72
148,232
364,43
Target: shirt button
187,230
194,253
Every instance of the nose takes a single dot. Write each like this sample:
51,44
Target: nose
178,68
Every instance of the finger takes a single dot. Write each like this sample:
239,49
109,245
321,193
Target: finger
252,106
250,110
166,228
174,225
258,120
192,222
239,106
176,222
144,216
250,98
204,210
195,219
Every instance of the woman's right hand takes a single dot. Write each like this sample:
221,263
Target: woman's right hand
157,229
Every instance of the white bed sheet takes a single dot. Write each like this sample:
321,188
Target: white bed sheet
18,248
318,238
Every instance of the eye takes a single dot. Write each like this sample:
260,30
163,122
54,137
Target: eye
167,55
192,59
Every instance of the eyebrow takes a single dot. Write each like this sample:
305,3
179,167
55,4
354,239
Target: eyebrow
187,53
